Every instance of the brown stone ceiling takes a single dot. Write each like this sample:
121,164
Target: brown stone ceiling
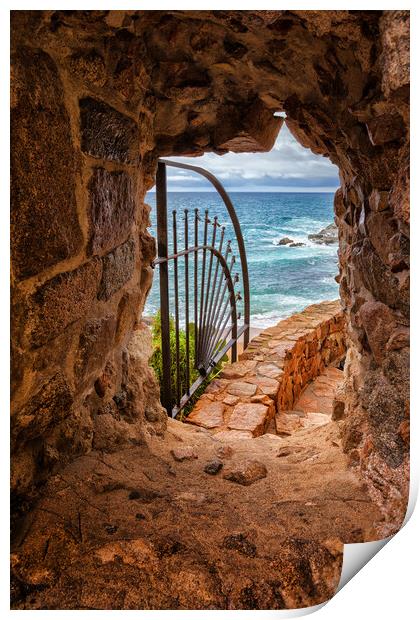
213,79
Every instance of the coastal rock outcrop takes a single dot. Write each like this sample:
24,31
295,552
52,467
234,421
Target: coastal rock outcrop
326,236
290,243
284,241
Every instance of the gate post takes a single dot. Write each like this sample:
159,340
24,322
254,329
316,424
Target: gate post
162,237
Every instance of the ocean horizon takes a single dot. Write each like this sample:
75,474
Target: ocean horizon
283,280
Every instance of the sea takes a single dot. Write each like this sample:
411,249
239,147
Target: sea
283,280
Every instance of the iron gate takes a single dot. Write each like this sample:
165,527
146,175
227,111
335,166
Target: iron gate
210,299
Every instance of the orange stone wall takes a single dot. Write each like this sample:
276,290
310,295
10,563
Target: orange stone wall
318,339
273,371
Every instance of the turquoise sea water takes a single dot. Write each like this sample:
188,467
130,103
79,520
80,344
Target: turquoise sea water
283,280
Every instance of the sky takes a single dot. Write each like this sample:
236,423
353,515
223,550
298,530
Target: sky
288,167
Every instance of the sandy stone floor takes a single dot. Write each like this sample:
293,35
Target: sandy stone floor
148,528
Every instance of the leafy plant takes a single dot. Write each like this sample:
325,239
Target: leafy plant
157,365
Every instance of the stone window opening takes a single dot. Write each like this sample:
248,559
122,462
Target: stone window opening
188,191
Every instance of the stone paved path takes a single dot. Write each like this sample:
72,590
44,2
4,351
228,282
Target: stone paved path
272,373
314,406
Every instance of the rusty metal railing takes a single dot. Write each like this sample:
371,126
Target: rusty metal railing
210,299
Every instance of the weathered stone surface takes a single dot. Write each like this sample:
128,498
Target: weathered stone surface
232,435
117,269
95,343
379,201
240,543
231,400
208,415
269,370
267,386
127,315
249,417
213,467
224,452
111,209
184,453
215,386
375,276
104,383
194,498
241,389
50,404
386,409
257,130
399,339
109,433
61,301
89,67
314,418
378,322
288,422
338,410
237,370
106,133
141,385
385,128
246,473
395,33
44,222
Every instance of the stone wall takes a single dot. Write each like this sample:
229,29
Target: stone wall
81,257
97,96
272,372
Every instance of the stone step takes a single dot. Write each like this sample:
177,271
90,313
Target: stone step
252,417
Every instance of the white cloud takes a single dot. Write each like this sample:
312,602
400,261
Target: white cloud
287,165
182,177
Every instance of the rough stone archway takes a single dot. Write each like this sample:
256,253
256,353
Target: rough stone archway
97,96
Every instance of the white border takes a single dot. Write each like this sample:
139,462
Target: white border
388,585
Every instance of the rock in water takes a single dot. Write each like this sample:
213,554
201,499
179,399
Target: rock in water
285,241
246,473
326,236
297,244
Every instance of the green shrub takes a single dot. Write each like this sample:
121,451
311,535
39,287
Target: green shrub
156,362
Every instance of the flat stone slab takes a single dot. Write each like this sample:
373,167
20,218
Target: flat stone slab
242,389
269,370
249,417
209,415
288,423
237,370
267,386
231,400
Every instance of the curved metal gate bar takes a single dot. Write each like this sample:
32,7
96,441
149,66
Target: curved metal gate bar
236,226
214,306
